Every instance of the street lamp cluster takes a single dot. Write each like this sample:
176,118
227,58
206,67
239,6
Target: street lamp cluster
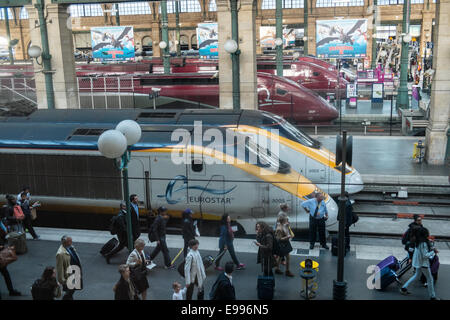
116,144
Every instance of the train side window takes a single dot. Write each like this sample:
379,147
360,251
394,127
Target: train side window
316,74
197,166
281,92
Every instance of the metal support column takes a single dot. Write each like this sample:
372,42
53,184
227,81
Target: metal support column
177,26
8,35
279,35
126,191
305,27
374,35
46,57
117,14
339,285
402,98
165,36
235,57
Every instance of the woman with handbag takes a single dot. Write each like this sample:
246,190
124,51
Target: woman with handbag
8,255
283,235
138,267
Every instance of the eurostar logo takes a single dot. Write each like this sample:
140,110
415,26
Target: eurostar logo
171,189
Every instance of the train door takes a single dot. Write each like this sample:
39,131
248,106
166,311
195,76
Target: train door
138,180
198,181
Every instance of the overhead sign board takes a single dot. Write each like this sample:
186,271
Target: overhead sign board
341,38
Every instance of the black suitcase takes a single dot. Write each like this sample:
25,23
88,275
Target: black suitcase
265,287
111,244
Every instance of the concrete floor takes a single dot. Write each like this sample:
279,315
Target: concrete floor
99,278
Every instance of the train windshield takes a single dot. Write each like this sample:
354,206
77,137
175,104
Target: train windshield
289,131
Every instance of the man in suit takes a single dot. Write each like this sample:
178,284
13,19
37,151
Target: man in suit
135,216
223,288
68,257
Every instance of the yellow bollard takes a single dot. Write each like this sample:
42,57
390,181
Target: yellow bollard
308,273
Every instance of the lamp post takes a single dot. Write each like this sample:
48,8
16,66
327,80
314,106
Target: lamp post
177,27
232,47
155,95
117,14
403,99
116,144
279,35
165,37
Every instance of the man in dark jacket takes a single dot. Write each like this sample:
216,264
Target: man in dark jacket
188,229
134,205
408,238
223,288
121,227
159,230
124,288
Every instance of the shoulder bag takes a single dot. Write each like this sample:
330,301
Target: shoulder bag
7,256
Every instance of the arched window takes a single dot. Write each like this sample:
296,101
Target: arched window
185,6
130,8
212,6
339,3
85,10
23,13
2,14
184,42
287,4
194,42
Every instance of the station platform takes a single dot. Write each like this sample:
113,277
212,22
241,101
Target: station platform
99,277
388,160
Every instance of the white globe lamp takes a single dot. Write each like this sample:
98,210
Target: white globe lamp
407,38
34,51
131,130
163,45
231,46
278,42
112,144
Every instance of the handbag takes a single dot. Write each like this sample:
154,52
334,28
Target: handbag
285,248
291,232
33,214
7,256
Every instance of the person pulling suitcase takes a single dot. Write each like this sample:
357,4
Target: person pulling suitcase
119,227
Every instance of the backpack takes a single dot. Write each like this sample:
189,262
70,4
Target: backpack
18,213
115,226
355,218
39,292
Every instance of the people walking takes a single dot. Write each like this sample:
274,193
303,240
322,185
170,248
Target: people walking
265,241
137,263
26,207
408,238
47,287
194,271
135,226
13,214
5,273
283,237
124,288
66,257
188,229
421,262
226,242
223,288
120,226
159,233
318,214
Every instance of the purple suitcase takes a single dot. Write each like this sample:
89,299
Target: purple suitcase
391,262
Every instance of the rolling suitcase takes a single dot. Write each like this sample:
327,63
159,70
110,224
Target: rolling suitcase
265,286
209,260
111,244
390,270
18,240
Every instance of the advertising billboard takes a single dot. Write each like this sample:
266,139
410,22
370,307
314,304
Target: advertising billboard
267,36
208,39
341,38
112,43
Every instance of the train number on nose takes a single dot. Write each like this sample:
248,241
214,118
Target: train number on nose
278,200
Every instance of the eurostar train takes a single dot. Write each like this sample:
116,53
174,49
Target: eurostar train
61,161
305,154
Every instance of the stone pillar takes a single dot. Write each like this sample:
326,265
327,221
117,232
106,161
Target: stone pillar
258,35
247,46
311,35
156,38
436,133
425,32
60,41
